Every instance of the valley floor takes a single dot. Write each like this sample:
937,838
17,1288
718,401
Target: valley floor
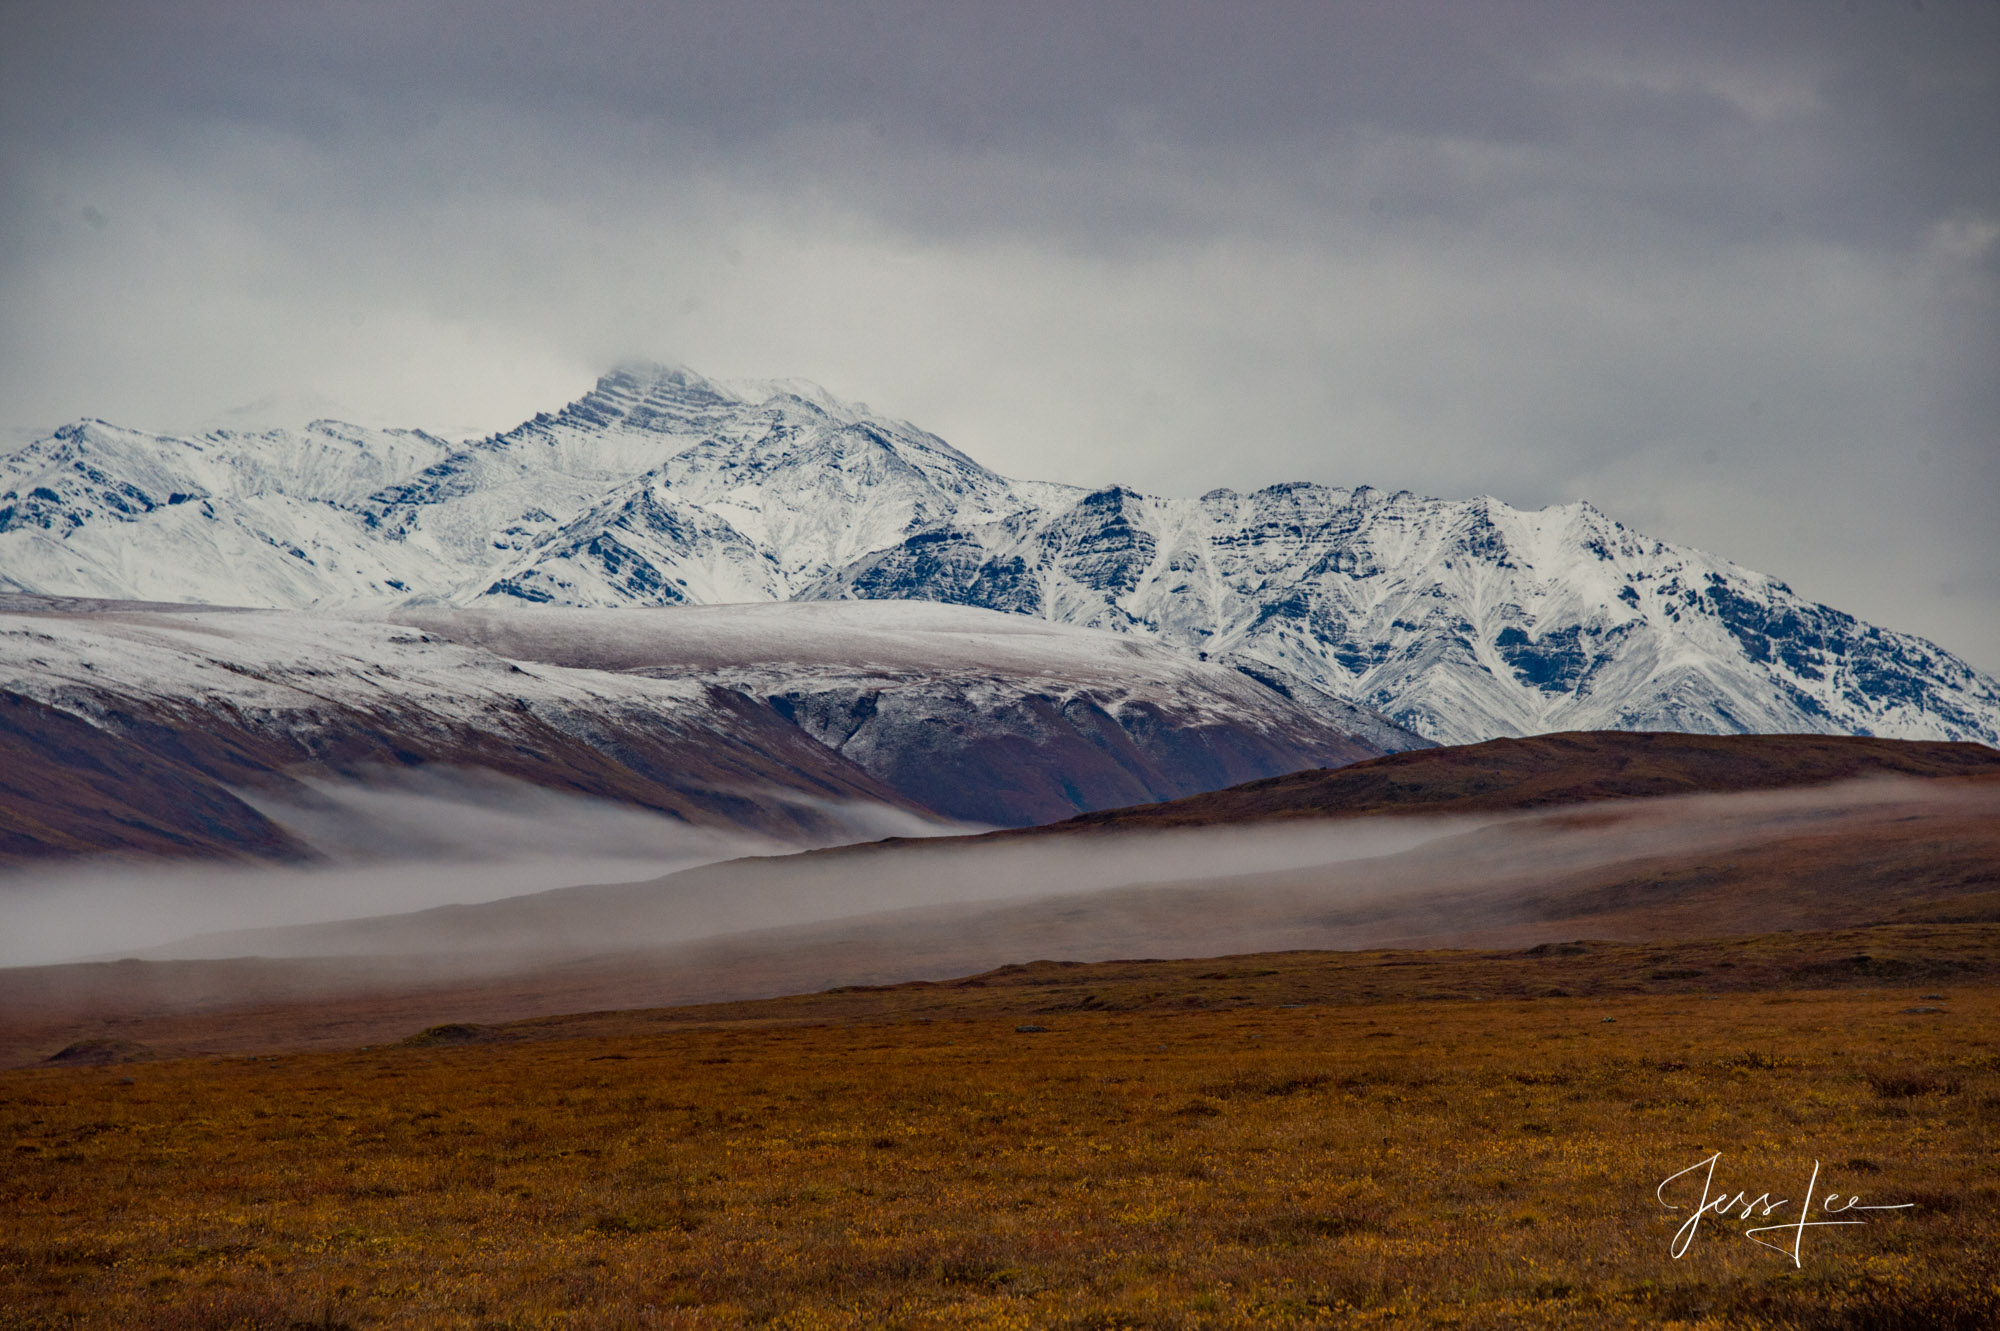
1293,1139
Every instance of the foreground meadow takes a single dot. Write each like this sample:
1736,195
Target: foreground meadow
1446,1139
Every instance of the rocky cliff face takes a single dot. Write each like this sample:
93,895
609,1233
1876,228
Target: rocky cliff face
1462,619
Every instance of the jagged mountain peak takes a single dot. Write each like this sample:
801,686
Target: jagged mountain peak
803,393
642,395
1464,619
651,374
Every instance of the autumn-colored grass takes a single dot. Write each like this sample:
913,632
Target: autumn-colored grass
1287,1149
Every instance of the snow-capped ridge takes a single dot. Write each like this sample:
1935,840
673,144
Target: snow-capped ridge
1464,619
745,715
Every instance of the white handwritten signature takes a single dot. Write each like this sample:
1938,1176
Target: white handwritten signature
1761,1207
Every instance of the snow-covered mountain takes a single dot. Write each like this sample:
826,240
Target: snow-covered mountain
1462,619
134,727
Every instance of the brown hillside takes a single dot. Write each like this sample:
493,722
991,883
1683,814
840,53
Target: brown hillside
1545,770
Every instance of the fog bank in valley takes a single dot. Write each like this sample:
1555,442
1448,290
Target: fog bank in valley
405,841
949,906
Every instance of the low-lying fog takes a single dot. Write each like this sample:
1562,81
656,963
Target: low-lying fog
408,841
751,895
944,907
1316,883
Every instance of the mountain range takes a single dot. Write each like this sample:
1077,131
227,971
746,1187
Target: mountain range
1462,620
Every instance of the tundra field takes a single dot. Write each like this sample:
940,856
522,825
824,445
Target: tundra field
1454,1139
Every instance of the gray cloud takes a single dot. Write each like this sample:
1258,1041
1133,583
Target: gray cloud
1728,271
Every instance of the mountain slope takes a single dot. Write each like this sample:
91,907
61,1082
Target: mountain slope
656,487
1460,619
132,727
1546,771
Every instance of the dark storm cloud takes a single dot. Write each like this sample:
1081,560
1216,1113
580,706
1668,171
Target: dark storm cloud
1886,109
1729,271
1663,100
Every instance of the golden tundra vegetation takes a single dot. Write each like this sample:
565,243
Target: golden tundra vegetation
1457,1139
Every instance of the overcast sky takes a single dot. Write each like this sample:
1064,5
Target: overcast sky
1730,271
